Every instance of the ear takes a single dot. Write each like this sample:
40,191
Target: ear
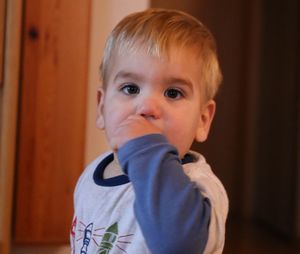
205,119
100,104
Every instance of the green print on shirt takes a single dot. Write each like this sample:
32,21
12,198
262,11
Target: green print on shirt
109,238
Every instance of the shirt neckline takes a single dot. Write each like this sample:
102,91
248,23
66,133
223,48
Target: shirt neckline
121,179
109,182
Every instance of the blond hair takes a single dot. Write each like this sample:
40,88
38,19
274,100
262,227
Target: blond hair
155,31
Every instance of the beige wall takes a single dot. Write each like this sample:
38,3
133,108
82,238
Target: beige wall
105,15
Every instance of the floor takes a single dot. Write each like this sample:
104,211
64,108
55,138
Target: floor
41,250
246,238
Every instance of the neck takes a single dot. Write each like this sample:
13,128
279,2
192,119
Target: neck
113,169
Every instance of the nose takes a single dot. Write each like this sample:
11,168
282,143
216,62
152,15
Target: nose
150,108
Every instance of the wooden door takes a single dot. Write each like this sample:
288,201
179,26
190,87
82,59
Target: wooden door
2,26
52,117
2,36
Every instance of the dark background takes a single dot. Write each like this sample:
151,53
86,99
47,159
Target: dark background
254,144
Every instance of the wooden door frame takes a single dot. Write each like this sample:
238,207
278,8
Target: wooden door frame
9,108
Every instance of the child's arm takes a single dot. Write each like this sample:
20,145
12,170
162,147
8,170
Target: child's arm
172,213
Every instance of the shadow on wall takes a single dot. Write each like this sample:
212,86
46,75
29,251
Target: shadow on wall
254,144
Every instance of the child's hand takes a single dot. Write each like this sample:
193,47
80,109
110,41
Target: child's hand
133,127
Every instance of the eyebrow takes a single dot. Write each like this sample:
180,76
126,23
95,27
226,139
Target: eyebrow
182,81
126,74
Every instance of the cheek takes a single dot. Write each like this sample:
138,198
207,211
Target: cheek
114,114
182,132
111,119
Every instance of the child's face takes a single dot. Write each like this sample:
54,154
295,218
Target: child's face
145,94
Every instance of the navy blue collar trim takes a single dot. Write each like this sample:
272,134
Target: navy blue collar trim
121,179
109,182
188,158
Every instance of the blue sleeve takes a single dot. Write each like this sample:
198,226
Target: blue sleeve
172,213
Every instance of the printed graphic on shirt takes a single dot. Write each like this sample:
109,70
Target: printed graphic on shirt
109,238
104,238
72,233
86,238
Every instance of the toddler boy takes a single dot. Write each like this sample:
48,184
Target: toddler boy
151,194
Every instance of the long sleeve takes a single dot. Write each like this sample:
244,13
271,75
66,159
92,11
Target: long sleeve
172,213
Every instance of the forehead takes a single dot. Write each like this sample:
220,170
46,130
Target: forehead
172,56
175,55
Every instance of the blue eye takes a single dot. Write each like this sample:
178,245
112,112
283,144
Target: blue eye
130,89
173,93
